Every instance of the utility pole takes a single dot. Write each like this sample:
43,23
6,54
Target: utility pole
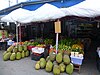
9,2
16,1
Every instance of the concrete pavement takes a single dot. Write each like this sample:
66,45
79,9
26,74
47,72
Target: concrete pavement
25,66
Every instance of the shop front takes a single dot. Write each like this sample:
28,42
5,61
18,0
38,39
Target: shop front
77,35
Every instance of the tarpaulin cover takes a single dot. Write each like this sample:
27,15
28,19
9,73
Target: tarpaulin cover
44,13
87,8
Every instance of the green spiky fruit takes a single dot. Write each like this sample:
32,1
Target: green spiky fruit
42,59
66,59
10,49
37,66
69,69
42,64
27,53
25,47
52,56
55,63
62,67
18,55
38,62
15,49
7,56
48,58
4,53
23,54
49,66
59,57
56,70
13,56
20,48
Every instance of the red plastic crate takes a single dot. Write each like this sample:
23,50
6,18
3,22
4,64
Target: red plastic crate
30,47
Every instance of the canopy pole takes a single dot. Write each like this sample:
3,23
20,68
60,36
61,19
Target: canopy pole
20,32
17,31
56,43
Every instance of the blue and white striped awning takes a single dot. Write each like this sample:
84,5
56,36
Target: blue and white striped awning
35,4
88,8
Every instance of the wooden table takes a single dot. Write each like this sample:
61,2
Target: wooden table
77,62
77,67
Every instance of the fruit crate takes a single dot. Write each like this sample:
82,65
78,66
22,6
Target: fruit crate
10,42
76,60
36,56
30,47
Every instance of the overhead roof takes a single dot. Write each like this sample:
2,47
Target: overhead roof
33,5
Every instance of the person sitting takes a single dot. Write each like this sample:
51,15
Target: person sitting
10,40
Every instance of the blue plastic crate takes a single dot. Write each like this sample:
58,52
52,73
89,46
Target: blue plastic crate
76,60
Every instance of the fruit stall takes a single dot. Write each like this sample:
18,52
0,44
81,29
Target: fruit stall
70,53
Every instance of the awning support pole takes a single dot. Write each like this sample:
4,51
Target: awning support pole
56,43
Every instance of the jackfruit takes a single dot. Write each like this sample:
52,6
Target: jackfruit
25,47
66,59
37,66
59,57
52,56
20,48
15,49
4,53
48,58
55,63
42,59
38,62
62,67
7,56
23,54
69,69
56,70
18,55
27,53
42,64
13,56
10,49
49,66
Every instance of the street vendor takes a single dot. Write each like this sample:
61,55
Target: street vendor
3,43
10,40
10,36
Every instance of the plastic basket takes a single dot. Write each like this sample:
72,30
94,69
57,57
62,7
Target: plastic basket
30,47
10,42
76,60
36,56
